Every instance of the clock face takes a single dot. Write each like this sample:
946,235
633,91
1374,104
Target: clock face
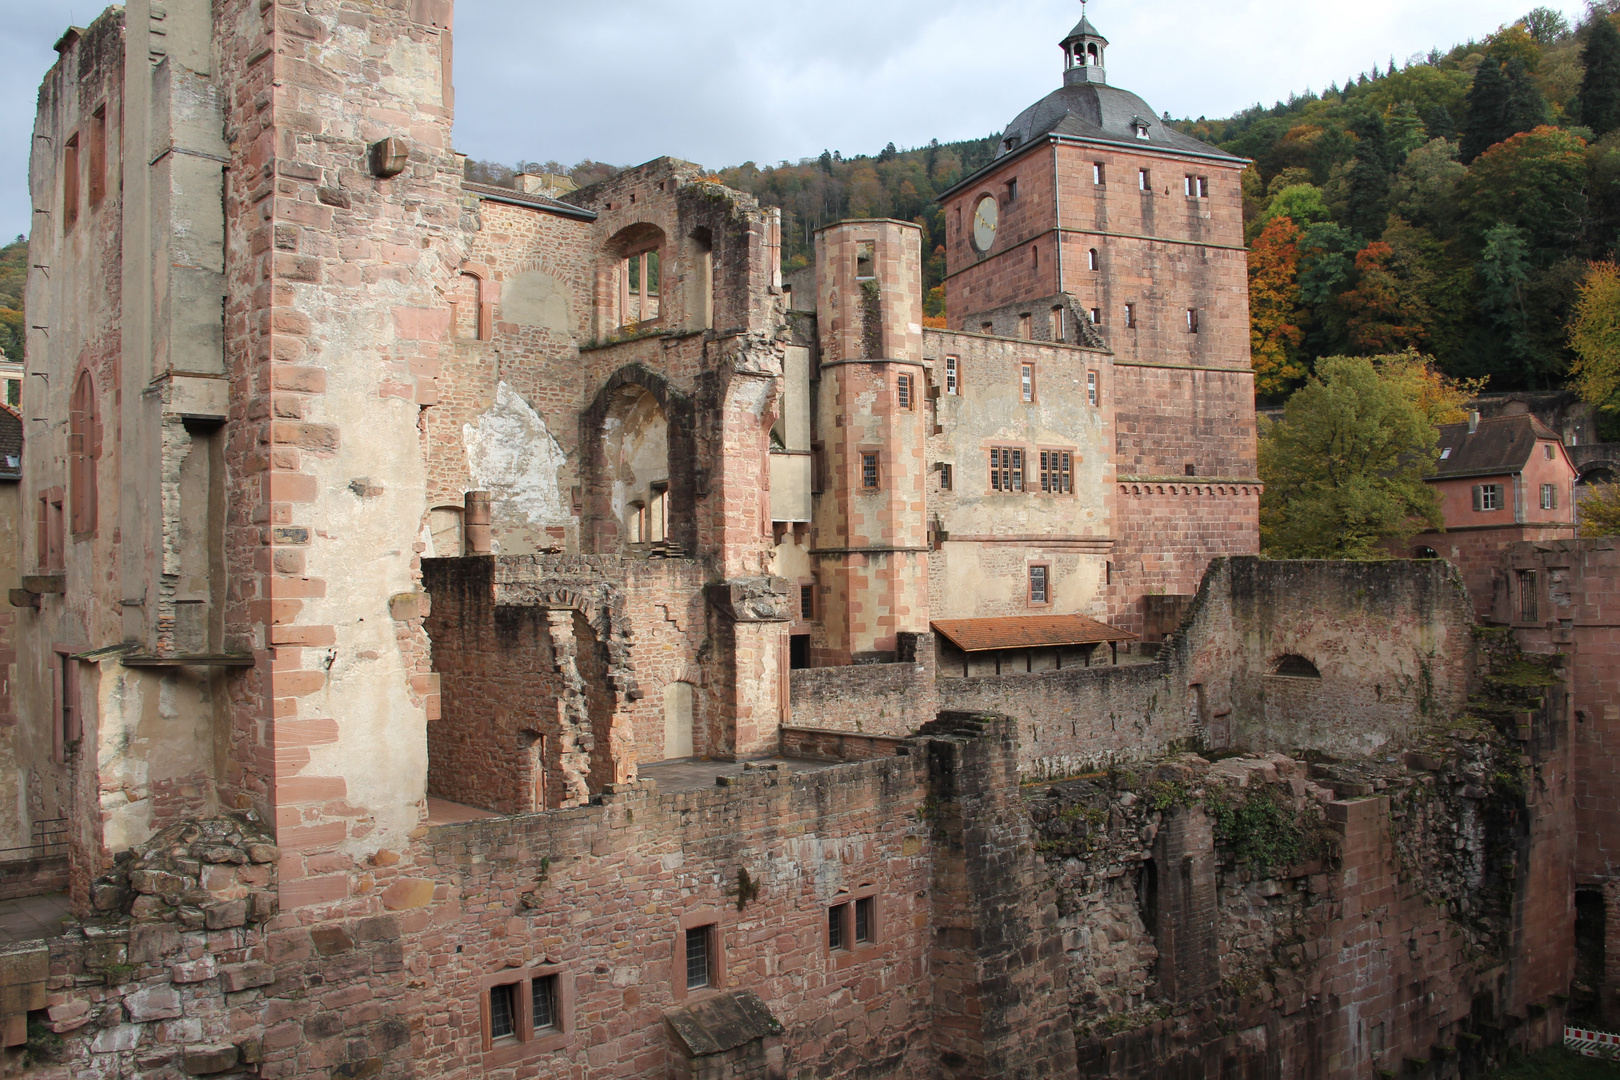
984,224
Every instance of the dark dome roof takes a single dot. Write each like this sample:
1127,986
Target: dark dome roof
1091,110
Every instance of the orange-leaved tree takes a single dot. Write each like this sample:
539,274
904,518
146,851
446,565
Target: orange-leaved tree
1274,308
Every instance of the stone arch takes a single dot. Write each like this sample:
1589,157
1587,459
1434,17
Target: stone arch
472,308
631,392
1597,471
1295,666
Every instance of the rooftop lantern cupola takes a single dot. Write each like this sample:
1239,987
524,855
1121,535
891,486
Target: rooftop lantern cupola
1083,54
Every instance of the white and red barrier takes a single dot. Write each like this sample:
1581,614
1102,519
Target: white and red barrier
1603,1044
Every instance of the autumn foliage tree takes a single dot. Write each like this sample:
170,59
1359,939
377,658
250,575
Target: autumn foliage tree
1274,308
1344,469
1594,336
1384,315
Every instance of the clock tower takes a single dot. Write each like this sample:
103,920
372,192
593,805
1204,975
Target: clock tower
1099,224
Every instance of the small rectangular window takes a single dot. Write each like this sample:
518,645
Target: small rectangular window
807,602
1130,316
1192,187
70,183
1057,468
699,946
865,260
902,392
1006,468
1549,496
1203,187
944,478
1037,584
1527,595
1192,320
1012,190
1026,378
1547,451
987,328
863,921
1091,388
835,925
869,472
1096,316
1097,172
1024,328
951,374
544,995
503,1015
1144,180
1055,323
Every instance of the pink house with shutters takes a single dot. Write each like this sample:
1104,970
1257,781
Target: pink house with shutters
1501,480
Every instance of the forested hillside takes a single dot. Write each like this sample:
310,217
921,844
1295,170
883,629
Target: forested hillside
13,273
1454,205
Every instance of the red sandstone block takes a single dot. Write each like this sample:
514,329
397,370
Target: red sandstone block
307,838
295,684
289,487
314,890
310,636
309,789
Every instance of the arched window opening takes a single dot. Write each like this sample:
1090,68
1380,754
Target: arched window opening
1294,666
1092,262
1092,55
84,448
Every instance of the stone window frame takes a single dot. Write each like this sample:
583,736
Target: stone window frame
1093,389
1045,566
1130,316
946,477
953,375
51,529
525,1043
1009,461
483,306
1040,460
905,392
98,155
1527,595
853,951
1099,173
67,702
1144,180
865,456
70,183
84,455
1487,498
1192,320
1026,382
698,919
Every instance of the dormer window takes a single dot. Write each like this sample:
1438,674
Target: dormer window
1010,142
1140,126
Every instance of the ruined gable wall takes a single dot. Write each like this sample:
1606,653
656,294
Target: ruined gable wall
74,294
537,272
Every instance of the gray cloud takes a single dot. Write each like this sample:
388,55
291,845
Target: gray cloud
724,81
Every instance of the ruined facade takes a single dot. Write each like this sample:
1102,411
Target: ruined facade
399,548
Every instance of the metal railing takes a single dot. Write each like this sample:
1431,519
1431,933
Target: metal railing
48,839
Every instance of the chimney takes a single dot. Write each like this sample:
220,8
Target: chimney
1473,421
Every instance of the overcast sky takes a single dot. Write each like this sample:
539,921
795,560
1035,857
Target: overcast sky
726,81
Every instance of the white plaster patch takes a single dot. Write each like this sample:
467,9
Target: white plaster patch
511,454
536,299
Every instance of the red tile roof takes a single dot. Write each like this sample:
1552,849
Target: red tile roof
1027,631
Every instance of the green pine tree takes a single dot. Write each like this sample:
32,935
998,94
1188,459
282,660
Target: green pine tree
1526,108
1486,105
1598,100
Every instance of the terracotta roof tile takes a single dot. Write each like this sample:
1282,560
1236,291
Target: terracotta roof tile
1027,631
1501,445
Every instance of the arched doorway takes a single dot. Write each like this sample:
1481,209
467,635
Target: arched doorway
678,720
